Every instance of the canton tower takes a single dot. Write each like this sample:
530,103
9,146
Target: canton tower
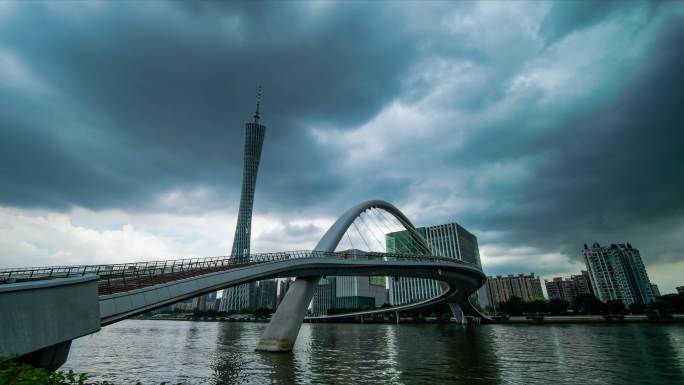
254,140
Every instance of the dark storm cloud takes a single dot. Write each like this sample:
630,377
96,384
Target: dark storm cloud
133,101
167,91
608,173
568,16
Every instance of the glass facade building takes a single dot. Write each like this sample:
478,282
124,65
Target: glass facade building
449,240
349,292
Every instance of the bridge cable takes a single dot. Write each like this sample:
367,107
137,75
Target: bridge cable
350,241
410,242
389,229
381,229
386,227
360,235
383,236
388,224
371,231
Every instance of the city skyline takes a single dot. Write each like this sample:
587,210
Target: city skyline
502,117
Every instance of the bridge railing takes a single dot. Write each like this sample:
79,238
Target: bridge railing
115,278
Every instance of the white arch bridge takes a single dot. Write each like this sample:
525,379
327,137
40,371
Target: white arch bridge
45,308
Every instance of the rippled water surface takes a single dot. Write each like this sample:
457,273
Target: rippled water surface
223,353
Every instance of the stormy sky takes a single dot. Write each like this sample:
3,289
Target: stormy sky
537,126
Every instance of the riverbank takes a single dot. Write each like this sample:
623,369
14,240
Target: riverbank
591,319
535,320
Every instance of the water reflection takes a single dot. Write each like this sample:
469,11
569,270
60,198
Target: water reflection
230,365
223,353
454,354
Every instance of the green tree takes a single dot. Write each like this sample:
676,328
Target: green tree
558,306
637,308
514,306
536,305
614,306
589,304
262,312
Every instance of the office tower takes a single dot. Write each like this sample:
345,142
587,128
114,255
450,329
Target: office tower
359,292
449,240
184,306
350,292
567,289
239,298
267,294
618,273
283,287
200,303
324,295
502,288
254,140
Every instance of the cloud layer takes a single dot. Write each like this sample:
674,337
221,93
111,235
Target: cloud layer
538,126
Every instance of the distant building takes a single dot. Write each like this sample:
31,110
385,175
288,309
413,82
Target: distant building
502,288
200,303
283,287
324,295
239,298
358,292
618,273
204,302
183,306
655,290
449,240
267,294
567,289
680,289
348,292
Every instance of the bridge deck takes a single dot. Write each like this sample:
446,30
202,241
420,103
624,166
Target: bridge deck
118,278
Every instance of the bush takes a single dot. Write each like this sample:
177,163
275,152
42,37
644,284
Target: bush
15,373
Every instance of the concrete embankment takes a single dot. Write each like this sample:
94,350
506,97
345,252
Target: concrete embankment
521,320
591,319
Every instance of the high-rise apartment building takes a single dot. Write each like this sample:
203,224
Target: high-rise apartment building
254,140
567,289
502,288
655,290
618,273
450,240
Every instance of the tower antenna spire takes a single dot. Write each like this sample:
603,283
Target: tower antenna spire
256,114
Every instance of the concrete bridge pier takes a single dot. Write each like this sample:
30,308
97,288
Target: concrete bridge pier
49,358
458,313
282,331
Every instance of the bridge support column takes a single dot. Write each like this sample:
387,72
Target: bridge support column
282,331
458,313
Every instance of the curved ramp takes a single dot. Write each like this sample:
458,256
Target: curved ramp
461,279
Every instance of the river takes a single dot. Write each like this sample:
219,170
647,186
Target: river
223,353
